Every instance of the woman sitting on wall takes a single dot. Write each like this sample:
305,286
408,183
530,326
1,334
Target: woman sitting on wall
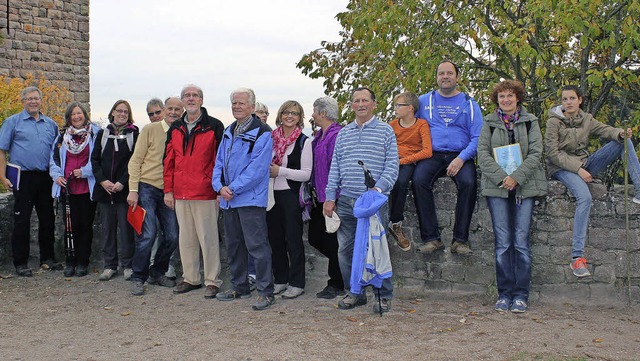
568,160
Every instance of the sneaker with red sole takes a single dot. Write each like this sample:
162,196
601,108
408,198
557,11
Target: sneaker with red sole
579,267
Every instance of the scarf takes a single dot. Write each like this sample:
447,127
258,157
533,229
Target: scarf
281,143
509,121
77,139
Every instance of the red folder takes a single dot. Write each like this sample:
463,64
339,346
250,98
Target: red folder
136,218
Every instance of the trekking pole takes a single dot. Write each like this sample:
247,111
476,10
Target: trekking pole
71,251
626,215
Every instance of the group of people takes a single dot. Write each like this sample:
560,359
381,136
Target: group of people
185,167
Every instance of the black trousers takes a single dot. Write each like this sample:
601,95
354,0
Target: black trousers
35,191
284,222
83,212
327,244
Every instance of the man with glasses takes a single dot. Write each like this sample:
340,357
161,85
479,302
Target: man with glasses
347,178
241,177
192,143
455,121
146,190
26,138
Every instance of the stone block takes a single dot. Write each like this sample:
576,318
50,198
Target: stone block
42,22
547,274
561,254
540,253
437,286
29,45
604,273
468,288
561,207
621,264
23,55
598,191
607,295
480,274
611,221
452,273
556,188
553,224
560,238
606,238
575,293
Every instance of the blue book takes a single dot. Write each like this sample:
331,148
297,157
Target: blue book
13,174
508,157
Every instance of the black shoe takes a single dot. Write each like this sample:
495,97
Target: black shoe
24,271
51,265
163,281
330,292
81,271
69,270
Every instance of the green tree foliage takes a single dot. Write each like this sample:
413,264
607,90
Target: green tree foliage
395,45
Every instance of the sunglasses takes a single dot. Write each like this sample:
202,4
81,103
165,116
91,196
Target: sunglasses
157,112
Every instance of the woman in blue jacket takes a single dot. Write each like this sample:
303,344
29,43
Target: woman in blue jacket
70,169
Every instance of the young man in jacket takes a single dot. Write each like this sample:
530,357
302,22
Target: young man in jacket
192,143
241,177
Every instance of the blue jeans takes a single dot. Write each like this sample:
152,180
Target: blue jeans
596,163
346,238
511,224
426,173
152,200
399,192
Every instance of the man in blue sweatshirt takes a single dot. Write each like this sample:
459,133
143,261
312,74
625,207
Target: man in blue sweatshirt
373,142
455,120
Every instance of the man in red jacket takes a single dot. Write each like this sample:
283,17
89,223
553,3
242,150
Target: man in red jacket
190,154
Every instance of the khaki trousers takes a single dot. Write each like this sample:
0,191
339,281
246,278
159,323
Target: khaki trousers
198,225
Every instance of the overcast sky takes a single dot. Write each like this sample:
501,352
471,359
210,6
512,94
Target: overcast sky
152,48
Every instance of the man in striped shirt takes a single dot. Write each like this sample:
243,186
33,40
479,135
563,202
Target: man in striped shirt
372,142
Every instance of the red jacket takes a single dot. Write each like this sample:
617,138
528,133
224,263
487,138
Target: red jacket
189,158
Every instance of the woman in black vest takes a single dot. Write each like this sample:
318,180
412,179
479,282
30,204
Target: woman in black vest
290,166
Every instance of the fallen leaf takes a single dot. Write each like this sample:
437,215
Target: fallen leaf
125,313
108,308
473,313
410,311
598,340
352,319
463,320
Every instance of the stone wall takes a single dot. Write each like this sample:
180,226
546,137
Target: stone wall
49,37
445,272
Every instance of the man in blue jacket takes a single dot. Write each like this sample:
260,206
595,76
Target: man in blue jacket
455,120
241,178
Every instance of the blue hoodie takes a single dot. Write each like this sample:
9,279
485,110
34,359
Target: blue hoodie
461,134
242,164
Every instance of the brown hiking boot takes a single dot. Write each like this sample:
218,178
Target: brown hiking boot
396,232
461,248
431,247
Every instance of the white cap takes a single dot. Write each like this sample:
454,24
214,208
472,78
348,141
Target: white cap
332,222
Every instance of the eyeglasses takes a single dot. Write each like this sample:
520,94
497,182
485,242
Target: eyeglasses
400,105
157,112
31,99
190,95
122,111
262,112
290,113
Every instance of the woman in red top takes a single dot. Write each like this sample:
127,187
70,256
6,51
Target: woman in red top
414,144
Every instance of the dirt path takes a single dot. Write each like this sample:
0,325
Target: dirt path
49,317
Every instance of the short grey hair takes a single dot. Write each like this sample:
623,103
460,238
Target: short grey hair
328,106
262,107
155,102
252,95
197,88
30,89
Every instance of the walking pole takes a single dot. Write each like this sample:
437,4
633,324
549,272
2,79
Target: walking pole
626,215
71,249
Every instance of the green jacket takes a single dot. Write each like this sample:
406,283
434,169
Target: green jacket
566,140
530,175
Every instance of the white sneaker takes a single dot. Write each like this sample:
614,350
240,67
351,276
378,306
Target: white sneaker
292,292
171,273
278,288
128,272
107,274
